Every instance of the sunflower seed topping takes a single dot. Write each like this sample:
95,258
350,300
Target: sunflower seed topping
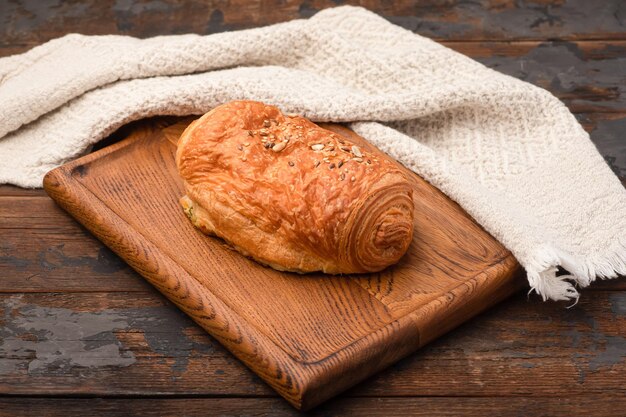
279,146
317,146
356,151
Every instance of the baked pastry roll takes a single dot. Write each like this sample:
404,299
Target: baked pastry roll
292,195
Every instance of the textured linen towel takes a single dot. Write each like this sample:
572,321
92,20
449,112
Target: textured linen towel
509,152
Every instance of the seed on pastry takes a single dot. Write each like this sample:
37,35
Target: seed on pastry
317,146
356,151
279,146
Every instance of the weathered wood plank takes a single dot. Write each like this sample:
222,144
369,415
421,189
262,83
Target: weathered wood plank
109,344
44,249
34,213
605,405
586,76
607,133
22,21
69,260
112,343
522,347
12,190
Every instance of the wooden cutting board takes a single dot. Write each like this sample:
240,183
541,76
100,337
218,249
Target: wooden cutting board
308,336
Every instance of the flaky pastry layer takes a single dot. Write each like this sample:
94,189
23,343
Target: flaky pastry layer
293,195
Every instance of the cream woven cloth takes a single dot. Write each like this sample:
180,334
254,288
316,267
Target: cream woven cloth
510,153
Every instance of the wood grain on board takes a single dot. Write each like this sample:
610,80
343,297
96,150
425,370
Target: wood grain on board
309,336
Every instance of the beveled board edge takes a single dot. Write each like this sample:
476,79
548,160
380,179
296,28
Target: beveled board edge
302,385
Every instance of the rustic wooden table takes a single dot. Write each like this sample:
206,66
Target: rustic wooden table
82,334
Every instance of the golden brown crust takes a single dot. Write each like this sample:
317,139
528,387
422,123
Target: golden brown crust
291,194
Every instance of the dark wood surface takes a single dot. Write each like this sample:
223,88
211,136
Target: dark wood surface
79,330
